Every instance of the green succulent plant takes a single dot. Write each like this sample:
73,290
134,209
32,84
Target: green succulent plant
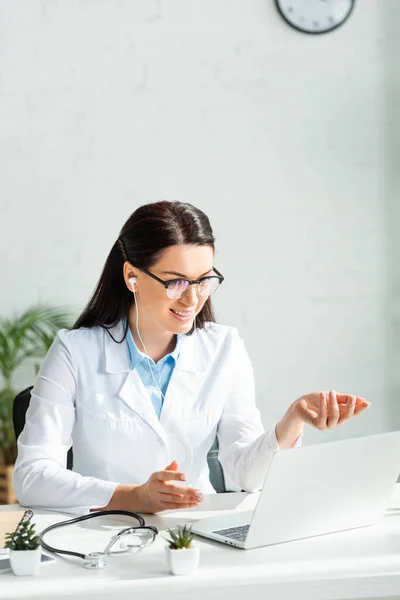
181,537
24,538
23,338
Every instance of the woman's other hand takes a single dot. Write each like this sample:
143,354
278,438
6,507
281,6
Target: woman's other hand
160,492
322,410
326,410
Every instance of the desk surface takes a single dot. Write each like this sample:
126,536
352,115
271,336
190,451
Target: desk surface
361,563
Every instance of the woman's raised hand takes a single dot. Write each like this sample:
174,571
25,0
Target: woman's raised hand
326,410
322,410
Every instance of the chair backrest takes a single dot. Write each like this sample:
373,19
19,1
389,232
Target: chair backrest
216,472
20,406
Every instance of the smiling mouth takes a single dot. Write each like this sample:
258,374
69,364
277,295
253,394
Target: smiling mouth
182,313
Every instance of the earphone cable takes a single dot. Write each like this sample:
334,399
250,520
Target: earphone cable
186,444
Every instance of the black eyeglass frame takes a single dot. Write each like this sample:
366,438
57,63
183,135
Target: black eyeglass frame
168,282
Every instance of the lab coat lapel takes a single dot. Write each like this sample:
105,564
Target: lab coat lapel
132,392
187,379
137,397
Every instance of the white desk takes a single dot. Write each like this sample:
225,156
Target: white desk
362,563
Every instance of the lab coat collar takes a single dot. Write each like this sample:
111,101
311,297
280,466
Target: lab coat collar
193,352
116,349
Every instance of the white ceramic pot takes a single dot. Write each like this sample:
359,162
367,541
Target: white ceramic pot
25,562
184,561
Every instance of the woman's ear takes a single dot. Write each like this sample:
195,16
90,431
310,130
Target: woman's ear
130,276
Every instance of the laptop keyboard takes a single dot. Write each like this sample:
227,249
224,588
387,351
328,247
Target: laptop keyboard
236,533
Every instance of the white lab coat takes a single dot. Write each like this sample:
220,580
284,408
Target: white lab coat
86,395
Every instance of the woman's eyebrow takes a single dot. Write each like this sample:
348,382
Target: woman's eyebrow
184,276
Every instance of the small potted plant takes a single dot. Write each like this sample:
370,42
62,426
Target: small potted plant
182,556
25,550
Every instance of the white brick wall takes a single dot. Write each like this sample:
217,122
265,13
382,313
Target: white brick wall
289,142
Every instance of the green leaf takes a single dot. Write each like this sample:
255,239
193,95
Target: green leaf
24,538
34,543
28,335
181,537
23,338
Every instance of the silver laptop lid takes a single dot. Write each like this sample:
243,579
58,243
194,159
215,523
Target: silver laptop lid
325,488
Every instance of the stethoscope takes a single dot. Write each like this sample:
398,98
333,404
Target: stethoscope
134,539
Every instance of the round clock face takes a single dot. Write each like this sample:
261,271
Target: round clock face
315,16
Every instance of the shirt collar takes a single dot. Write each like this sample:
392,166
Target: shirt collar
135,355
195,350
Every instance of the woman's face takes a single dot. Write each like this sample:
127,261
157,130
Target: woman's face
156,309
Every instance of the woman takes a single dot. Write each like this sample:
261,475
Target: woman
146,379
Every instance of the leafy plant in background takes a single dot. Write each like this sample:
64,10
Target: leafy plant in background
23,338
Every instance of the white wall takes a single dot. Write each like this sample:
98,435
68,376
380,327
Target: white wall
391,207
287,141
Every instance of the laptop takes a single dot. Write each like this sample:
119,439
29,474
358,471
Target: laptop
315,490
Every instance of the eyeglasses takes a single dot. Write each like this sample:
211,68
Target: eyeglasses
177,287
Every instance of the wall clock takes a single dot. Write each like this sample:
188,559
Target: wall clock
315,16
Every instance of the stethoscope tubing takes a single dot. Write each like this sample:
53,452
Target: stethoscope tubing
93,515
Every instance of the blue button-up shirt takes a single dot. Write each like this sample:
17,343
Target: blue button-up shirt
162,370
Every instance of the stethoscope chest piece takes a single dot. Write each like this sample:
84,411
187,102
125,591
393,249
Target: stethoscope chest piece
94,561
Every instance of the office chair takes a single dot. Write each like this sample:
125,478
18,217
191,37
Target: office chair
20,406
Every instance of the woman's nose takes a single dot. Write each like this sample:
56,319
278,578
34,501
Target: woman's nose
190,296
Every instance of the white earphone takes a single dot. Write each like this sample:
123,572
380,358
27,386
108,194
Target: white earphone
132,281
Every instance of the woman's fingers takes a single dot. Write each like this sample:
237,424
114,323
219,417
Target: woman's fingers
334,413
326,410
322,413
348,398
169,494
170,487
181,499
174,466
176,506
178,490
170,475
164,491
359,409
348,410
328,413
342,407
353,406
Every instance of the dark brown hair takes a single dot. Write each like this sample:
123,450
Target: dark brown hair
147,233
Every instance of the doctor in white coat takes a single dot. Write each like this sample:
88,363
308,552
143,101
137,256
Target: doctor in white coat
146,379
